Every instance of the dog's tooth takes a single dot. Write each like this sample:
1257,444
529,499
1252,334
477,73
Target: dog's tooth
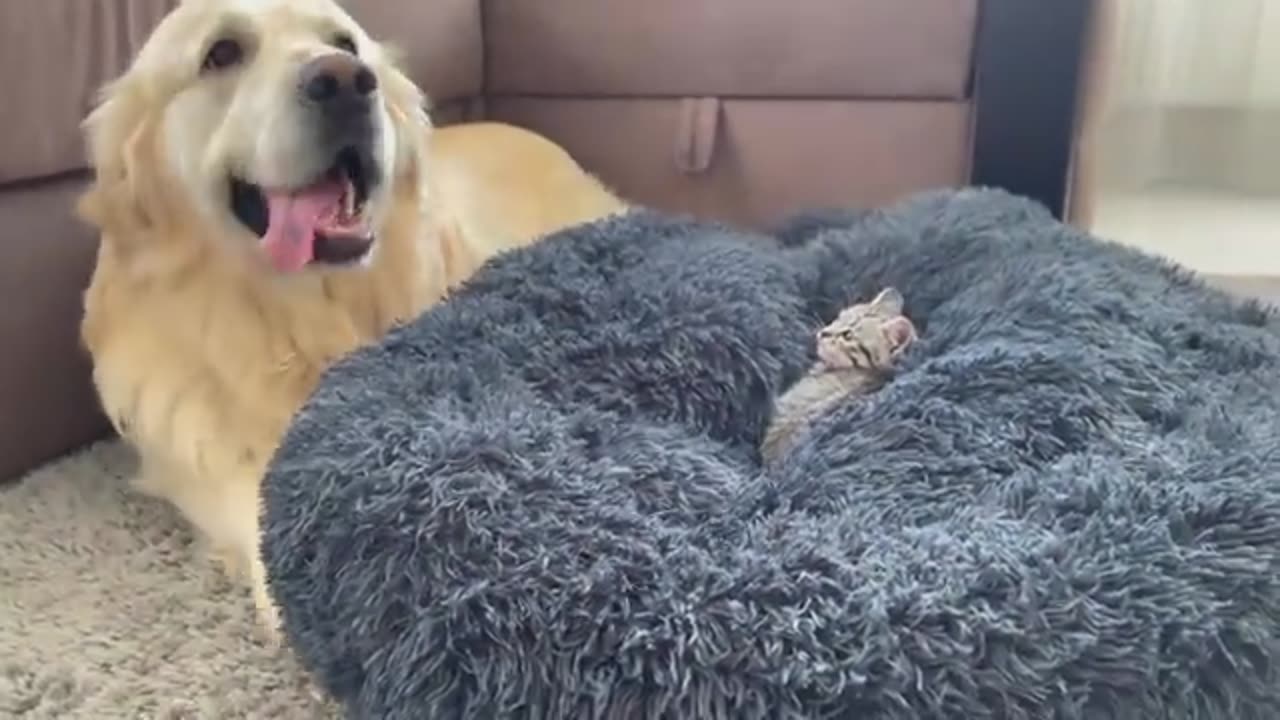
350,200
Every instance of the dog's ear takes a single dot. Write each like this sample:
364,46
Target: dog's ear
120,134
407,105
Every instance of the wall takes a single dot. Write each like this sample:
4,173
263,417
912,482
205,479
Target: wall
1179,144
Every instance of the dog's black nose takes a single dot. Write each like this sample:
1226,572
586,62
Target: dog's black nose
337,79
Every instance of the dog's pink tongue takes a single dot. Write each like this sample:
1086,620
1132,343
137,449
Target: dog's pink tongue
292,221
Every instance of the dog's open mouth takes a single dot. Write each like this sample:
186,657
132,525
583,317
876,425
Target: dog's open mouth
322,223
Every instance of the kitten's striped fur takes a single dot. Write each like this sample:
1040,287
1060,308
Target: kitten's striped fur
856,352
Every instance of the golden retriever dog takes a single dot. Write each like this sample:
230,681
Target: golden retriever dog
270,196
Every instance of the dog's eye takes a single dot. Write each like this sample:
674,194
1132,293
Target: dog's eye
345,43
222,54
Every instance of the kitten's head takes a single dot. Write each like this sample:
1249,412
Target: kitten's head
867,336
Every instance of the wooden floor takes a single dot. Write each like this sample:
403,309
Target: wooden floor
1232,238
1263,287
1208,229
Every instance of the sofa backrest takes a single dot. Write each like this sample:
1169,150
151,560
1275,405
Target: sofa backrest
55,55
743,110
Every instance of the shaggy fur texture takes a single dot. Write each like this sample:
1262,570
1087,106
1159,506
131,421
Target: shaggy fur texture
543,498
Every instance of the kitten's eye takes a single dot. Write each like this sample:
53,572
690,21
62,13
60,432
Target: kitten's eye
847,335
345,43
222,55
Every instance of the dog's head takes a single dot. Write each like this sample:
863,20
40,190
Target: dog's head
272,127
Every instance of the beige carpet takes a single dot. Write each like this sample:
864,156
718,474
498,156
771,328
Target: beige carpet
107,611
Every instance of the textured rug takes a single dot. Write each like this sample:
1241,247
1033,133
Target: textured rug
107,611
543,499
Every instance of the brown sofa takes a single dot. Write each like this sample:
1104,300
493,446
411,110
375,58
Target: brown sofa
735,109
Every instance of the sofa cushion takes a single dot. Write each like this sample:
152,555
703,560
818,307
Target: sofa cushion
859,48
56,54
753,161
47,403
440,41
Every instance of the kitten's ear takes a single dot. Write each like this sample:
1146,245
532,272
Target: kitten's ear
889,300
900,332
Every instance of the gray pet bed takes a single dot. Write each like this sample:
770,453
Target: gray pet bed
543,499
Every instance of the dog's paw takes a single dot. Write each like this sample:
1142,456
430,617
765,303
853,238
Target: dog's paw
317,692
268,625
270,629
227,560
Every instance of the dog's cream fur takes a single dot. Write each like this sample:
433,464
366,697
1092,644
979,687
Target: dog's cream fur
201,352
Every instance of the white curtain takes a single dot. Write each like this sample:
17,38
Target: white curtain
1182,91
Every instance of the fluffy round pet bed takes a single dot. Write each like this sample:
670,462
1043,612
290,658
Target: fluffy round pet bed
543,498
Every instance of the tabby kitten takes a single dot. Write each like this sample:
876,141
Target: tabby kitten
856,352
